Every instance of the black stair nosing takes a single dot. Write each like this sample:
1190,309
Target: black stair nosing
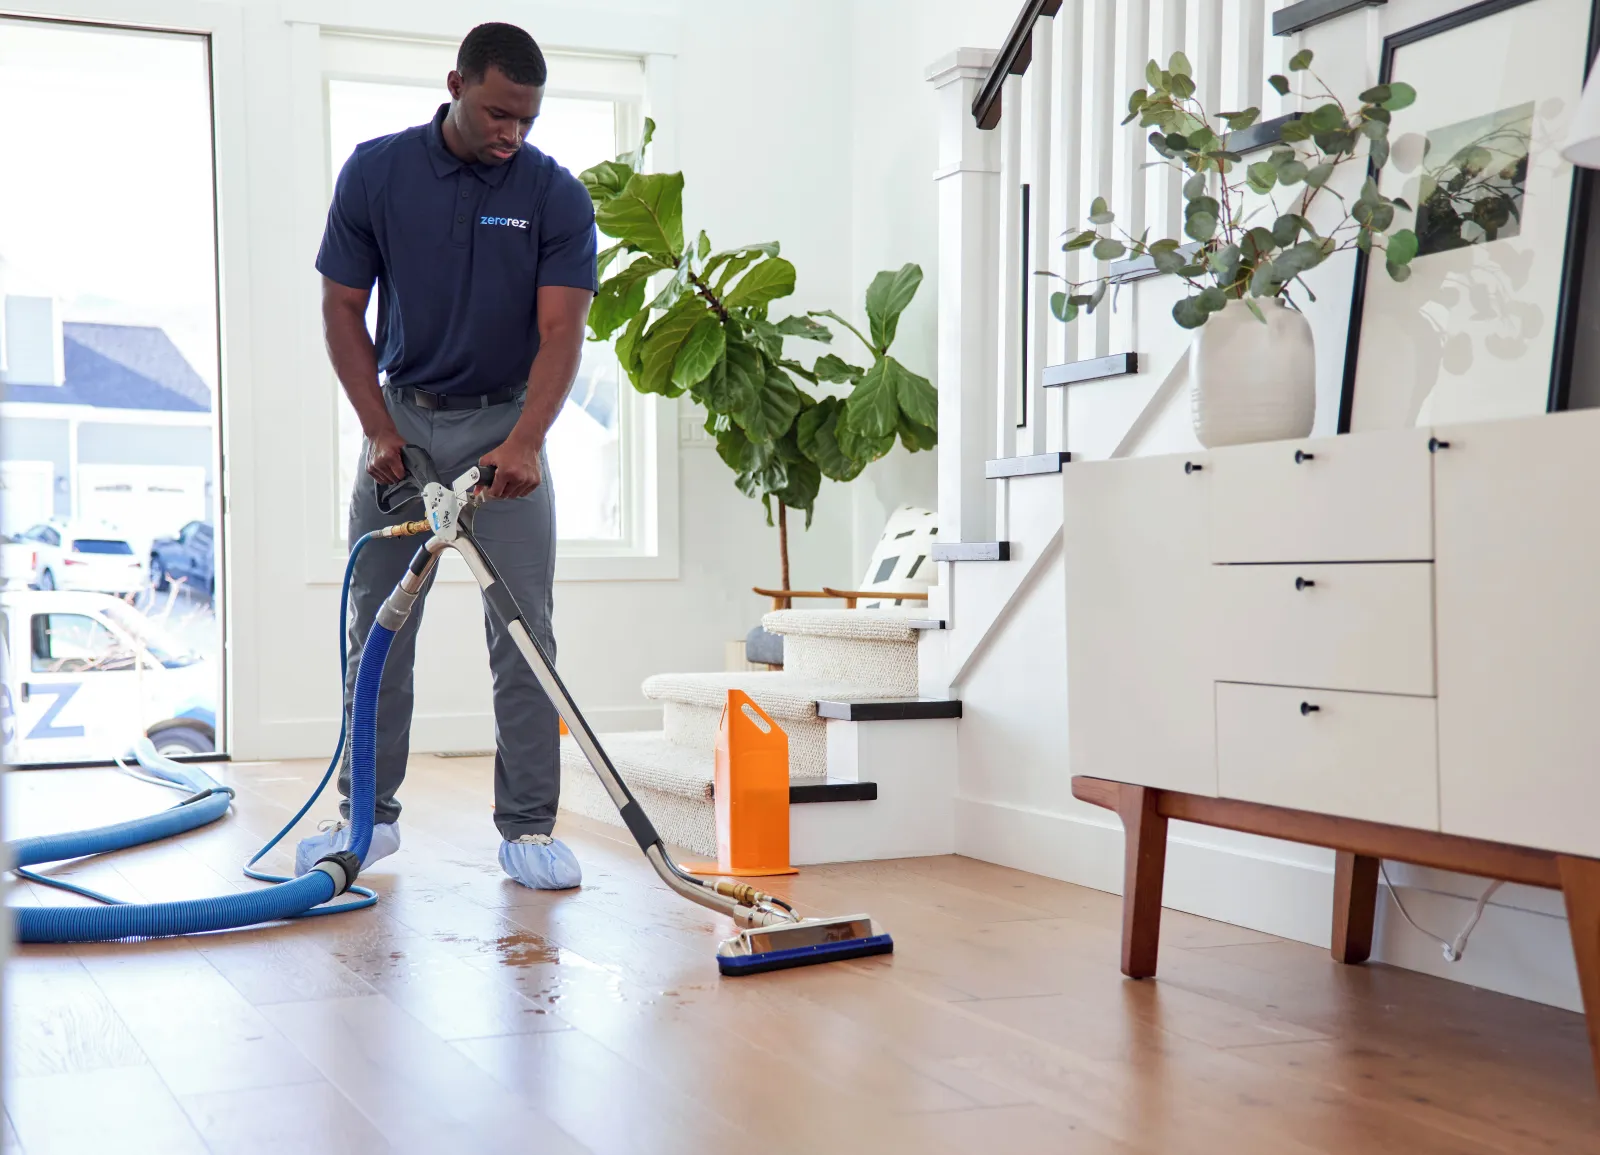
1094,369
832,790
1029,465
1292,18
972,551
889,709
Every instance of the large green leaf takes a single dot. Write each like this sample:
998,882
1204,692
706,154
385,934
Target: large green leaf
702,349
916,437
861,447
817,433
732,261
648,214
627,346
873,407
732,384
621,296
887,297
918,399
606,179
766,281
804,327
658,352
833,368
800,487
776,403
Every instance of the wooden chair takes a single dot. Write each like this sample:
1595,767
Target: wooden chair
784,599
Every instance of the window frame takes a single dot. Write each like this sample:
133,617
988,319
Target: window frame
647,425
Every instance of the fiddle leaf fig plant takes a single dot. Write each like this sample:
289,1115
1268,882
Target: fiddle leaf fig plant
1247,227
687,319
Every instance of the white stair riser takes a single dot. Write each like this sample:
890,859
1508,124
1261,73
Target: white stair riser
913,764
696,727
881,669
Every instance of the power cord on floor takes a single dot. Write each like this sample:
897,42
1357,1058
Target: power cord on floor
1455,949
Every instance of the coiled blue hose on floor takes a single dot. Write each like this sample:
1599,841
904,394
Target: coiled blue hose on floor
289,898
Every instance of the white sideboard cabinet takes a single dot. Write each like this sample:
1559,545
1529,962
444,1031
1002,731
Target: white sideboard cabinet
1386,643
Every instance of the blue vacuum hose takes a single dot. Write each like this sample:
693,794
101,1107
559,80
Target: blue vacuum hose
289,898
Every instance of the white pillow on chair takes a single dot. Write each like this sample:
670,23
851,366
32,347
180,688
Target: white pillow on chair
902,561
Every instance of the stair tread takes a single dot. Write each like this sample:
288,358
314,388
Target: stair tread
789,697
648,758
854,625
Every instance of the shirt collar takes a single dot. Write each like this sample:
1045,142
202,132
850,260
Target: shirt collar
446,162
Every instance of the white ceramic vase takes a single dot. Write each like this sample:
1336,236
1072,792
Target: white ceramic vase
1252,381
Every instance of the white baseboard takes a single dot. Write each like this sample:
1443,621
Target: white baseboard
1520,948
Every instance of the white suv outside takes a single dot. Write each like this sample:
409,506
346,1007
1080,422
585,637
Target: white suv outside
88,556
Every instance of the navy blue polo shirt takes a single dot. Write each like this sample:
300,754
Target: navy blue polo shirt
459,251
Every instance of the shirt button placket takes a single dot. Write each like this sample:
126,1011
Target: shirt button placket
464,214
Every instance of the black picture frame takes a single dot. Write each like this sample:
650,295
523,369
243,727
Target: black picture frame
1578,219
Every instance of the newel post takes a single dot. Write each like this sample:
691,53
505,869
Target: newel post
968,181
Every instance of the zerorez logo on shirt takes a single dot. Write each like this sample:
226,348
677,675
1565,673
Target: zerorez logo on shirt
506,222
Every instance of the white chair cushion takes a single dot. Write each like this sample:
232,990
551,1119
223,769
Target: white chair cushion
902,561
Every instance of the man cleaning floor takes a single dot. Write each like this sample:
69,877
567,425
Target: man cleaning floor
483,251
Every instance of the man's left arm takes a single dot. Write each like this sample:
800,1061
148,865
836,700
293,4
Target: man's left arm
563,312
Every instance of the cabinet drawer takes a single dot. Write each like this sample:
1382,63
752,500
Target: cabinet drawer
1371,756
1340,627
1367,497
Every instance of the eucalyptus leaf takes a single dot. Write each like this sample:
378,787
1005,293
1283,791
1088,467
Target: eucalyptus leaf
1212,299
1320,175
1061,310
1080,241
1195,186
1200,226
1400,96
1100,213
1189,313
1109,249
1182,86
1398,272
1402,247
1375,95
1292,173
1280,85
1325,118
1262,175
1179,65
1295,131
1256,309
1300,61
1239,121
1167,261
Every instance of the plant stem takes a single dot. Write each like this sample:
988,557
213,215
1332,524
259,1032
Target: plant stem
783,542
711,298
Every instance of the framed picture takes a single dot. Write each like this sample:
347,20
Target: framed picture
1485,325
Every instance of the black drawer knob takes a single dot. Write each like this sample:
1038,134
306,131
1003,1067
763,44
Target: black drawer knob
1301,583
1192,467
1308,708
1301,457
1434,445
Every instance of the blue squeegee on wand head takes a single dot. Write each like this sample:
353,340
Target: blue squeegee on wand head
774,936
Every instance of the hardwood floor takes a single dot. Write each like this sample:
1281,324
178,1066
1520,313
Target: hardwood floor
466,1013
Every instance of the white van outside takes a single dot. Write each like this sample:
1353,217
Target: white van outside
85,674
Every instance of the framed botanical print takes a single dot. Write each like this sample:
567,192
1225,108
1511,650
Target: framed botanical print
1485,324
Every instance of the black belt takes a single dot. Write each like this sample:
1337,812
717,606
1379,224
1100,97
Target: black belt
422,399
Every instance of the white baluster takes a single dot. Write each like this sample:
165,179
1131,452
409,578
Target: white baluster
1008,346
1068,201
1167,35
1103,116
1039,87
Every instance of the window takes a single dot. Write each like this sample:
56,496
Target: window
71,643
591,112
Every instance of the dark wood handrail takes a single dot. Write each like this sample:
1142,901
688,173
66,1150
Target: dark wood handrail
1015,56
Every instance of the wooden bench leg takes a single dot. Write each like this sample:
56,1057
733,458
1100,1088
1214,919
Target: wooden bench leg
1580,886
1355,906
1143,866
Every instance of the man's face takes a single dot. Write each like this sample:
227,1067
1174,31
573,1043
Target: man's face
493,115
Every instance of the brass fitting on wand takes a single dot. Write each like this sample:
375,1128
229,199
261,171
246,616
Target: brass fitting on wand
407,529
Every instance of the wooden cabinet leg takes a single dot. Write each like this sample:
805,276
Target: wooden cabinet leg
1580,886
1355,905
1143,866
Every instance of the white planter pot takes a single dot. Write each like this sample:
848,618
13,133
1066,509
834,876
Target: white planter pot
1253,381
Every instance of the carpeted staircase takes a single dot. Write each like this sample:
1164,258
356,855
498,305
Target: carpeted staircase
828,655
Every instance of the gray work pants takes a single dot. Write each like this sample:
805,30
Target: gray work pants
519,536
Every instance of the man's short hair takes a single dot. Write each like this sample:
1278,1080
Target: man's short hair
502,46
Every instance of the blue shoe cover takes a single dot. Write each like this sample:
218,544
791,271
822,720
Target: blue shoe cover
336,836
540,862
